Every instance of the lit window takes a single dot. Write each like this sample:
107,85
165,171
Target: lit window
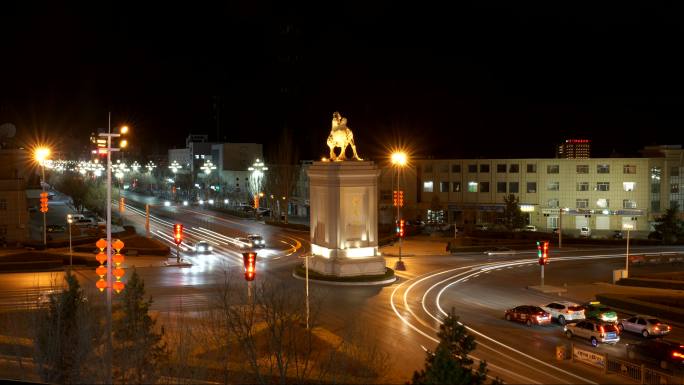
602,203
674,188
628,186
472,186
427,186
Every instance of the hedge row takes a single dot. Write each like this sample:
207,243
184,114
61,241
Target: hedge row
639,306
301,272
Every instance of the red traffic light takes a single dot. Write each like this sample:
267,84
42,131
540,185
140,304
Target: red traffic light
250,265
395,198
401,198
178,233
543,252
43,202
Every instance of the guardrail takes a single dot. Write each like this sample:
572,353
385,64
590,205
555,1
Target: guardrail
611,365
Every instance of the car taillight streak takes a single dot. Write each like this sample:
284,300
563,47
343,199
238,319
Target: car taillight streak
677,355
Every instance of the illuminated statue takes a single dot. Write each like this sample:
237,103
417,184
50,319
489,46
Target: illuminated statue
340,136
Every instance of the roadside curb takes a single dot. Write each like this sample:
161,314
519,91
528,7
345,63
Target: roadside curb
181,264
334,283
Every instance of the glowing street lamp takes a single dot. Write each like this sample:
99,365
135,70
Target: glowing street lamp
150,166
399,160
256,179
135,166
175,166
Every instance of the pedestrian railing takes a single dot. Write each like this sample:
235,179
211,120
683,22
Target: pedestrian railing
611,365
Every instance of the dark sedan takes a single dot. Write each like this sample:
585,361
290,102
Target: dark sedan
529,315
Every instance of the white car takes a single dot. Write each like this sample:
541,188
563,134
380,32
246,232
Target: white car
203,247
564,311
530,228
645,325
257,240
585,232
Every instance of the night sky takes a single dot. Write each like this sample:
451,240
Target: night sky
460,80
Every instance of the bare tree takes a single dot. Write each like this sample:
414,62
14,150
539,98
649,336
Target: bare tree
283,171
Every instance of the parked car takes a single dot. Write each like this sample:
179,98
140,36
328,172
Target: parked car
667,354
530,228
564,311
528,315
585,232
617,234
56,229
481,227
593,330
85,222
645,325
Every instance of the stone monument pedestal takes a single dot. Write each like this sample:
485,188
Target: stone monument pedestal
344,225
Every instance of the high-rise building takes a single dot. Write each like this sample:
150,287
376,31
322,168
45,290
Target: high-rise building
574,149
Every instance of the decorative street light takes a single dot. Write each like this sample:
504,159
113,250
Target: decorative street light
399,160
255,180
40,155
109,283
175,166
628,227
150,166
135,166
207,167
70,220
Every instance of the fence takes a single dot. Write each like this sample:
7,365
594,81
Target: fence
636,372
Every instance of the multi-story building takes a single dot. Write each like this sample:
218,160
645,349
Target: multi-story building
601,193
14,166
574,149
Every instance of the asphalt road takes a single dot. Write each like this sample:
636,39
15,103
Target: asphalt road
401,318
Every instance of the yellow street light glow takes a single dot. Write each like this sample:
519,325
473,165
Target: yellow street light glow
41,153
123,143
399,158
124,129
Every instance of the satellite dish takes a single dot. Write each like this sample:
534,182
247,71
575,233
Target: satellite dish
7,130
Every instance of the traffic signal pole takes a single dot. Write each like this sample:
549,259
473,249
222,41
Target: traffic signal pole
542,275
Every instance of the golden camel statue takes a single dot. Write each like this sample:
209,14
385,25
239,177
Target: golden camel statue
340,136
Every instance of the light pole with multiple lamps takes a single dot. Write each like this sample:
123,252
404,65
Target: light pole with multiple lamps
40,155
70,220
256,178
628,227
207,167
399,160
109,150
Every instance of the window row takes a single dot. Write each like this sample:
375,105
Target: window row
531,186
600,203
532,168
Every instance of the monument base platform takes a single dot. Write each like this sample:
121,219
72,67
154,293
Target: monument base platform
347,267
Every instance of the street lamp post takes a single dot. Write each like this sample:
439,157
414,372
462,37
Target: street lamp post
208,166
399,160
256,179
70,220
109,137
41,155
628,227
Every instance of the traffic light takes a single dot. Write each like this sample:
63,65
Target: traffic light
43,202
401,228
178,233
250,265
401,198
543,252
395,198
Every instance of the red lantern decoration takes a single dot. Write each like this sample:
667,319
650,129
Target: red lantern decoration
118,259
101,271
101,284
119,272
101,244
118,286
101,257
118,245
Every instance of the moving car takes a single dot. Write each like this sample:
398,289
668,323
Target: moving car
594,331
644,325
596,310
585,232
257,240
203,247
668,354
244,243
500,251
528,315
564,311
